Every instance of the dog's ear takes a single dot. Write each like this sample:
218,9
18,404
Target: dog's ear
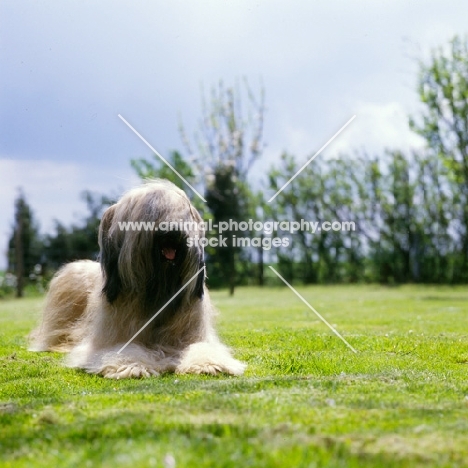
109,256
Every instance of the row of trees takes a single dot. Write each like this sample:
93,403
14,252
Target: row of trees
410,210
403,210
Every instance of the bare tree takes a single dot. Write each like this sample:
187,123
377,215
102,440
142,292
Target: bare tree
228,142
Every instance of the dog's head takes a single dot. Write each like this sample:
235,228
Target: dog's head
145,257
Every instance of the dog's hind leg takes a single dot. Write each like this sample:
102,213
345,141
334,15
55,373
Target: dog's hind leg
65,304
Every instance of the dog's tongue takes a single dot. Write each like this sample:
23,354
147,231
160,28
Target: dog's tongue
169,253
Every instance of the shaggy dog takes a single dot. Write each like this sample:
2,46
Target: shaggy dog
94,310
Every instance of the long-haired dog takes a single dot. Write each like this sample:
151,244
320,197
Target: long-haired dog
94,309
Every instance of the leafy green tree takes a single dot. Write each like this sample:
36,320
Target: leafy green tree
404,214
58,247
397,221
443,90
78,241
325,191
437,250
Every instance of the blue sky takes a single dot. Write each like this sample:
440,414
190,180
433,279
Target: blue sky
69,68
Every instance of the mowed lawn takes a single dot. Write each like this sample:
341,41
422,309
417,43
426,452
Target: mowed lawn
305,400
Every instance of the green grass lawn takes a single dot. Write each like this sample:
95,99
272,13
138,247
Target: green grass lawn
305,400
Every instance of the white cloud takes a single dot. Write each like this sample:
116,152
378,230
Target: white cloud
376,127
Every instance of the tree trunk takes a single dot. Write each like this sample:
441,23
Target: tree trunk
19,254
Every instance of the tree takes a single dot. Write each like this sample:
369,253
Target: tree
228,143
443,90
24,247
222,197
325,191
395,210
20,243
78,241
437,249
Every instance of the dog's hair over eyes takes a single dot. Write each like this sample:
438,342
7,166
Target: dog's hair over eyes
92,309
134,265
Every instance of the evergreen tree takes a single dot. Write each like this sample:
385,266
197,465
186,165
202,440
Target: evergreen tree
24,247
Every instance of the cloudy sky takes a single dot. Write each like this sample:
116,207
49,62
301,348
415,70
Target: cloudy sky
69,68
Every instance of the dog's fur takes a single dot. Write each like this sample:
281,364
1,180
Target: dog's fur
94,308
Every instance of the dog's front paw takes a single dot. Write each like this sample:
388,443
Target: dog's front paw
207,368
231,366
208,358
129,371
234,367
